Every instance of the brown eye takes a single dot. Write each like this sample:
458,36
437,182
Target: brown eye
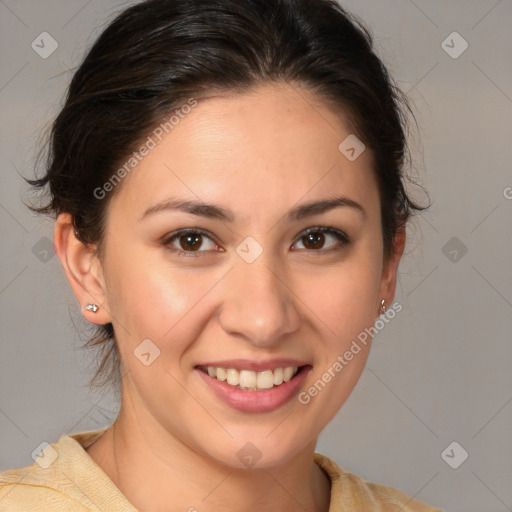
189,242
315,239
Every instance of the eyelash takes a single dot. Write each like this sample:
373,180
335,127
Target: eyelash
342,237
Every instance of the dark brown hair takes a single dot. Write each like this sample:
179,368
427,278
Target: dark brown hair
158,54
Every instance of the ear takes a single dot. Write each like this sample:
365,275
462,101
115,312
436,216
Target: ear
82,268
389,270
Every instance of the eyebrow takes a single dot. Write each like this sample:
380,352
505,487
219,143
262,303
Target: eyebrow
213,211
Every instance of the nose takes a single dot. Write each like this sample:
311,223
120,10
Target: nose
259,303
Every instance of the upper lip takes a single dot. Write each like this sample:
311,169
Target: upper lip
257,366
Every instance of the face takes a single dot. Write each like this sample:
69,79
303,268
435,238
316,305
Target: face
250,280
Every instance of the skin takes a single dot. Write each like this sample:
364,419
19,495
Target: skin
174,444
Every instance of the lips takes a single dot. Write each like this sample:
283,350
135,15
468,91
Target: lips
255,401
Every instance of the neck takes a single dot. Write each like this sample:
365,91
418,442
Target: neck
159,473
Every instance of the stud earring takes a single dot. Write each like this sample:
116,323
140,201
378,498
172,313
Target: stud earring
92,307
382,306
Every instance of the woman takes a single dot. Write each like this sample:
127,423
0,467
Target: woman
227,179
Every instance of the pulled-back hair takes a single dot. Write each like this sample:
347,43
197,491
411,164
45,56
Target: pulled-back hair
158,54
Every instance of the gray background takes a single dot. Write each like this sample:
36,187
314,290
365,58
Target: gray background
438,373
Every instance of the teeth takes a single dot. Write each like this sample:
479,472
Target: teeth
278,376
288,373
251,381
247,379
265,379
233,377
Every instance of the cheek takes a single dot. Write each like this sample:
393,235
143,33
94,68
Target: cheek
150,298
344,297
343,301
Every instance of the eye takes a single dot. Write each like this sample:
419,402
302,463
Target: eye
187,242
314,239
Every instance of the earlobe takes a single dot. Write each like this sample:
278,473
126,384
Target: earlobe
83,270
390,268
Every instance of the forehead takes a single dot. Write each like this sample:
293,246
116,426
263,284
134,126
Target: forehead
274,145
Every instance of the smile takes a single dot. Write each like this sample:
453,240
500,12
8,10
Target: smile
245,391
249,380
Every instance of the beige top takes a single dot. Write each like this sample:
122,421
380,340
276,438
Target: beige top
65,478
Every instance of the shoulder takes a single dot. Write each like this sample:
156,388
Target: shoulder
351,492
25,489
55,481
393,499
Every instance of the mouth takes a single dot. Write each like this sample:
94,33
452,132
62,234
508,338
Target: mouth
254,391
250,380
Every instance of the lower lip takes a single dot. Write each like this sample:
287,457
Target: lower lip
256,401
